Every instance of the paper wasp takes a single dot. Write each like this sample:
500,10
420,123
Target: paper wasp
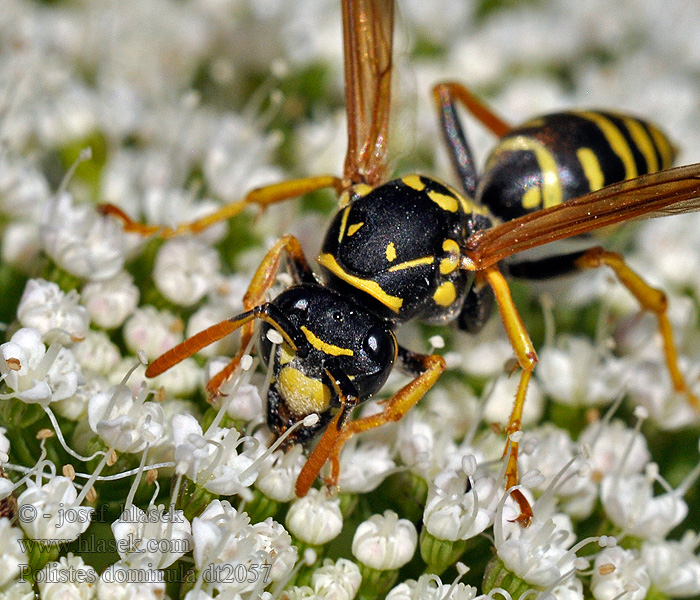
414,248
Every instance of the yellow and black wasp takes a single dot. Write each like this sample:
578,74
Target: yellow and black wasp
414,248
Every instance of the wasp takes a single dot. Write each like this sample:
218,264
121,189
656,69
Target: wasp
415,248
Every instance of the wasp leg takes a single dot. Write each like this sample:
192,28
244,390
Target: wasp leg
427,369
527,359
261,282
255,307
262,197
650,299
349,399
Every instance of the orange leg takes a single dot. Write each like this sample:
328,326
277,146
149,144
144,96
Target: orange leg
262,197
253,302
527,358
337,433
650,299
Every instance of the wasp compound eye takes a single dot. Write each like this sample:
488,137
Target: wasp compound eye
378,344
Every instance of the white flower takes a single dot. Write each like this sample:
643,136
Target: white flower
673,566
564,372
338,580
180,380
49,511
12,555
618,571
458,508
384,542
156,538
279,473
45,307
246,404
549,451
82,242
274,543
185,270
364,465
629,502
109,302
212,459
315,519
539,554
69,577
221,535
121,582
238,156
4,447
500,402
609,443
429,587
19,590
35,375
152,331
97,353
20,245
23,187
424,448
126,423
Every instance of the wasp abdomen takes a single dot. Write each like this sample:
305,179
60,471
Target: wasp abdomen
554,158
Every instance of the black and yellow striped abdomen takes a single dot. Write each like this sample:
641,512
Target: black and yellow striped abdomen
557,157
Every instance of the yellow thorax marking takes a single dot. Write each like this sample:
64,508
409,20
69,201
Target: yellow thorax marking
343,223
446,294
352,230
390,252
414,181
325,347
369,287
445,202
409,264
450,262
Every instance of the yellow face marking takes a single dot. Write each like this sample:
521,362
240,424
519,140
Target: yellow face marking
369,287
451,261
409,264
445,202
616,140
666,149
390,252
303,395
446,294
352,230
551,191
325,347
644,143
414,181
591,168
343,223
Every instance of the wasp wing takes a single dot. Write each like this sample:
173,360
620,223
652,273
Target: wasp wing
367,33
669,192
